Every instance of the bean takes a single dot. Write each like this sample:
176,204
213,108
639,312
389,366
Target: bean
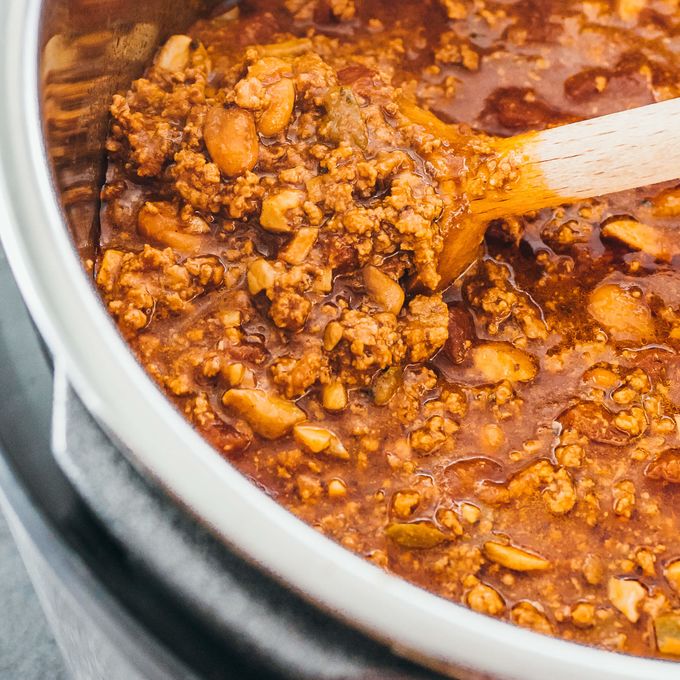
174,55
384,290
160,221
334,396
231,138
276,116
512,557
415,536
498,361
625,315
268,414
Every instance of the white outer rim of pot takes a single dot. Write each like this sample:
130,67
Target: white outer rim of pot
114,387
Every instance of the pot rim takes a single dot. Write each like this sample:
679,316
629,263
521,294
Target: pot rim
67,310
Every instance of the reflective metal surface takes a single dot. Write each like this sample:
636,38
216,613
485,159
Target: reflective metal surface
116,390
90,49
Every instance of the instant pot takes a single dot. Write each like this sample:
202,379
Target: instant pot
152,556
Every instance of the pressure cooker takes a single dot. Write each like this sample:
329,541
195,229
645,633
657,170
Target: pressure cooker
152,556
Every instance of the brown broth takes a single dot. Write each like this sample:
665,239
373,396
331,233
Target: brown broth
550,417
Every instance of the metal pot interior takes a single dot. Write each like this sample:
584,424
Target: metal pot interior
89,49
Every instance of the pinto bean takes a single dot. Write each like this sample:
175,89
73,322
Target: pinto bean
332,335
385,385
512,557
231,138
161,222
276,116
416,536
498,361
334,396
174,55
320,439
625,315
268,414
639,236
384,290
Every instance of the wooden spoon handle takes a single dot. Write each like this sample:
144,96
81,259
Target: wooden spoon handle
594,157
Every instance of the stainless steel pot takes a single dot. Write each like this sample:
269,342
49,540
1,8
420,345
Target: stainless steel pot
60,60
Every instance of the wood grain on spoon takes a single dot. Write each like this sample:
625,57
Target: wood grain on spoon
595,157
590,158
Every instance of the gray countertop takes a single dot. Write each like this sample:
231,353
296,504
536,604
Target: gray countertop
27,649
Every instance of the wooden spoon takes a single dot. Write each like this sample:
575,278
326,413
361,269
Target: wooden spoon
590,158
